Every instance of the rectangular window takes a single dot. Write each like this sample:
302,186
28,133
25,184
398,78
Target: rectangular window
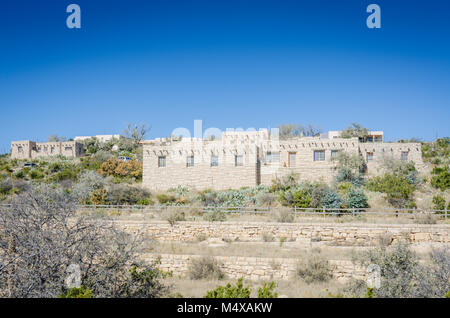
238,160
272,156
214,161
334,153
68,148
378,139
319,155
162,161
369,156
20,149
404,156
292,156
190,161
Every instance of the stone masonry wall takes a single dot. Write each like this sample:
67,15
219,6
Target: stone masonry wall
304,166
254,268
294,155
333,234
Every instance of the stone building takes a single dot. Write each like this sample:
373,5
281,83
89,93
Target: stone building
101,138
250,158
27,149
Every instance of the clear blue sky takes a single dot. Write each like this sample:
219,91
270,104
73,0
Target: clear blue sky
230,63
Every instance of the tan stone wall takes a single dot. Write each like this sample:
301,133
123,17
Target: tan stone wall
334,234
390,150
254,268
305,167
256,169
32,150
202,175
257,268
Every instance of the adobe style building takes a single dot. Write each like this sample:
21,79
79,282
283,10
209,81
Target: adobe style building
250,158
29,150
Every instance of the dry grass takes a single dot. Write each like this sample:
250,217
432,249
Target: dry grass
255,249
192,215
293,288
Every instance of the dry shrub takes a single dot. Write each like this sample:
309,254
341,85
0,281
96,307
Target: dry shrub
314,268
284,215
385,239
205,267
267,237
174,215
195,210
425,219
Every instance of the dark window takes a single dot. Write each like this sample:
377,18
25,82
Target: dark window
272,156
292,156
214,161
190,161
404,156
334,153
319,155
162,161
238,160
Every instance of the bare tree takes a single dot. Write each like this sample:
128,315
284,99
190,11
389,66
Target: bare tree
54,138
135,132
41,235
403,275
294,130
355,130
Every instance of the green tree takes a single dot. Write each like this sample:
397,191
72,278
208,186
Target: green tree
230,291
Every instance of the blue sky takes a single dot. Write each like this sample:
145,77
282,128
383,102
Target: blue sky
230,63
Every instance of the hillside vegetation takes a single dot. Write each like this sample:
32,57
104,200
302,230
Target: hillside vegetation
101,178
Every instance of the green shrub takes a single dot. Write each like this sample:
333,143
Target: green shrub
345,174
439,202
36,174
145,201
441,180
78,293
124,194
232,198
205,267
331,200
166,199
267,290
20,174
302,198
230,291
357,199
399,190
68,172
